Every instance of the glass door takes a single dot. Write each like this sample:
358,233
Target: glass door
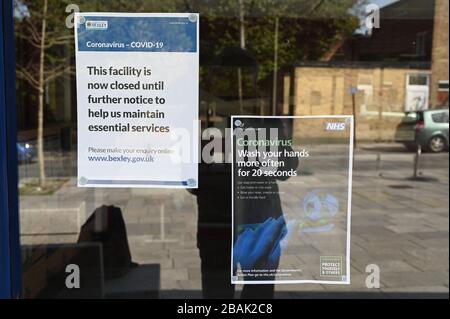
257,58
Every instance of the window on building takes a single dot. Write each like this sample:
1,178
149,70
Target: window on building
443,86
418,79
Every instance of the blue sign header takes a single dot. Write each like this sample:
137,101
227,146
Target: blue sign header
137,34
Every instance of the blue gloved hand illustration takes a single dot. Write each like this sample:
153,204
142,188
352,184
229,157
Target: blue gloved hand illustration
260,248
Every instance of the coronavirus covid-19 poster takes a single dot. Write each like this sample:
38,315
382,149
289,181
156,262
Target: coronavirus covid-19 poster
137,96
291,199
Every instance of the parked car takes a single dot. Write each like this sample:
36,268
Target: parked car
26,152
429,129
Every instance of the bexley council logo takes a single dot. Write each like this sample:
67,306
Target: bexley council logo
96,25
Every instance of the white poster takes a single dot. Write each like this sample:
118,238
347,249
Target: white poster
137,94
291,199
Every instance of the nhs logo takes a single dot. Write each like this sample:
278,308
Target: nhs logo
335,126
96,25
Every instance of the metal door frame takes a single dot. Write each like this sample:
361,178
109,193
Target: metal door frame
10,265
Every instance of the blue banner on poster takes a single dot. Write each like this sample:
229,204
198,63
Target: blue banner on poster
139,34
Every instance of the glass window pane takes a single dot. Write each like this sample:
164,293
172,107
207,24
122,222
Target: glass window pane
257,58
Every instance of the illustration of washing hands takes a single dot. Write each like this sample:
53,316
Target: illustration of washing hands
259,246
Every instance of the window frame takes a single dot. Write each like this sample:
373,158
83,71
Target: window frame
10,260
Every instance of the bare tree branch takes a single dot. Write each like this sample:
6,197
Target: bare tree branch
335,46
315,6
53,42
57,73
28,39
31,28
48,44
23,74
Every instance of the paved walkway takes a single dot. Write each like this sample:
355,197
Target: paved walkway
398,224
